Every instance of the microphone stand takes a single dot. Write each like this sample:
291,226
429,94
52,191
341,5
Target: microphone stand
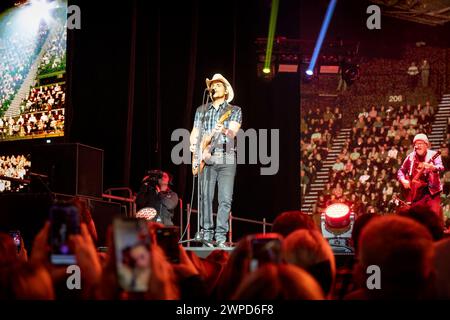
199,236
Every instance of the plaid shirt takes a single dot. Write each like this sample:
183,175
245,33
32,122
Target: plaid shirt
212,117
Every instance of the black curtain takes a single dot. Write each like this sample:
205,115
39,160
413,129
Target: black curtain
176,48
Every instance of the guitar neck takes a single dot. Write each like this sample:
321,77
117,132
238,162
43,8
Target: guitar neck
222,119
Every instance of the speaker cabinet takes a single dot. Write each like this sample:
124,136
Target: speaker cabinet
72,168
103,213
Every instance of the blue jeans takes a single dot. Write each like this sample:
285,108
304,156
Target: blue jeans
222,171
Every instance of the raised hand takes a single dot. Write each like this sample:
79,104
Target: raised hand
87,257
406,184
41,249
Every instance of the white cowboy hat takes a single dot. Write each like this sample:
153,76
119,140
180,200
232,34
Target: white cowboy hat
221,78
422,137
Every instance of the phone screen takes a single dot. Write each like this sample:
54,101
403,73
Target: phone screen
265,250
132,250
15,235
65,221
168,238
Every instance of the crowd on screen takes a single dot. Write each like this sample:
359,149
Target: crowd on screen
14,166
42,112
44,98
54,58
37,123
18,51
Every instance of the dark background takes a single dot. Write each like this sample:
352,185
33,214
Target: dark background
137,69
150,60
349,23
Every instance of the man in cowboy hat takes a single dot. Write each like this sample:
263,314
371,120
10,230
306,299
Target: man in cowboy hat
428,196
221,159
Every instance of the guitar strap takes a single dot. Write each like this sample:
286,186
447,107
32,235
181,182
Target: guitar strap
225,110
411,166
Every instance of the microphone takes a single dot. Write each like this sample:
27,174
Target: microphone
212,92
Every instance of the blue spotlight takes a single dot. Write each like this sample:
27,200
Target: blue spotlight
309,72
323,31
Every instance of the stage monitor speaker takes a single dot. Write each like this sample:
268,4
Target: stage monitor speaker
103,213
204,252
72,168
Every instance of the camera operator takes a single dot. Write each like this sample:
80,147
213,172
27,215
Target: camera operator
156,193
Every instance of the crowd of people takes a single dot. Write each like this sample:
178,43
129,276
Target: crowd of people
365,172
405,73
42,111
379,77
296,263
14,166
44,98
54,58
317,130
18,51
32,124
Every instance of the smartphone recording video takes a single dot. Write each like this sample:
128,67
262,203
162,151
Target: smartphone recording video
265,248
167,239
15,235
132,249
64,221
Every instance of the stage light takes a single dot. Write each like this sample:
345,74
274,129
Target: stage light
147,213
41,8
337,224
307,75
266,73
323,31
33,13
337,215
272,27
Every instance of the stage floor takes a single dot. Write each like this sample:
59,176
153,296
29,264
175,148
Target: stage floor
203,252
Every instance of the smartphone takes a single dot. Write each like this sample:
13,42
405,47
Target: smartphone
15,235
64,222
132,251
167,238
265,248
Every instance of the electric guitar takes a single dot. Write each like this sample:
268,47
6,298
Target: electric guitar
206,145
415,183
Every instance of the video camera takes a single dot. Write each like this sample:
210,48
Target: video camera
151,178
